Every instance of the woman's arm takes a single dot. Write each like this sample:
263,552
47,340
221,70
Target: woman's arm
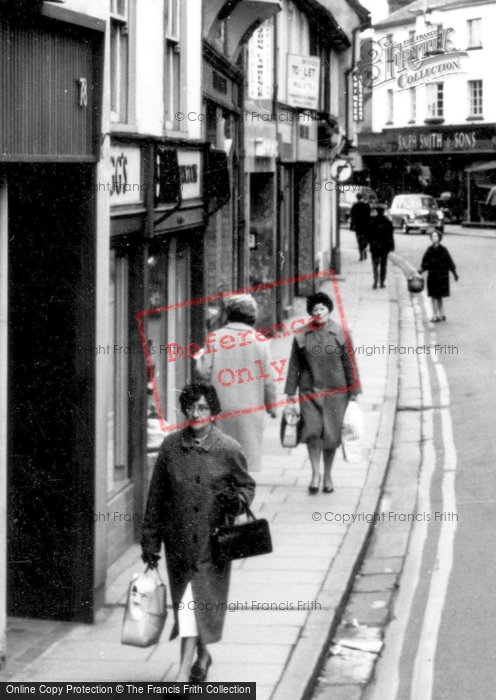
350,368
242,483
294,371
151,539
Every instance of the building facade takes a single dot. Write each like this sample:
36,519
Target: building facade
433,127
297,120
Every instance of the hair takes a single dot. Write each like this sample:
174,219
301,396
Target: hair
193,392
359,196
438,233
319,298
241,308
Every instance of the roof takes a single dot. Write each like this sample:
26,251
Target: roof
408,14
321,12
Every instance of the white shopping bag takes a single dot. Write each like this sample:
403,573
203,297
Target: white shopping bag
146,611
352,433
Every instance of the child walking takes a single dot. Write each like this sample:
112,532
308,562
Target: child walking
438,263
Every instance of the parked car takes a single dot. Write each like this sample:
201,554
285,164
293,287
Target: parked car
416,212
347,199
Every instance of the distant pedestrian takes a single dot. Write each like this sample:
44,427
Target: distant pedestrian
199,481
236,348
360,224
438,263
321,361
381,242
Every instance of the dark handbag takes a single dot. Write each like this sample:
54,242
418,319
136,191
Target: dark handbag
291,427
240,541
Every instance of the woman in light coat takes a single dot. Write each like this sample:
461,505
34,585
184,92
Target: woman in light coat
199,481
321,360
242,349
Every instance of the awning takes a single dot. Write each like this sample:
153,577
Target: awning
481,168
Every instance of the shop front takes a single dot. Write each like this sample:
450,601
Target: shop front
49,152
434,160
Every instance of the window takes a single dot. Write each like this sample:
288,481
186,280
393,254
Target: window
390,113
389,46
474,27
435,100
119,60
172,69
118,419
413,104
475,98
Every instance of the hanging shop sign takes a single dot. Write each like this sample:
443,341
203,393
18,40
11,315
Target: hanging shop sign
189,163
260,66
303,81
357,98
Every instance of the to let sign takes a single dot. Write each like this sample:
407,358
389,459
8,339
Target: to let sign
303,81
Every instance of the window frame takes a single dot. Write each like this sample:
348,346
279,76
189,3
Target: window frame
471,44
474,98
172,63
437,100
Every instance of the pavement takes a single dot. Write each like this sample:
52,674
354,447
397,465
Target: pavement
288,604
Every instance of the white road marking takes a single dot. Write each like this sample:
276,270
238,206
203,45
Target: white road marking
423,672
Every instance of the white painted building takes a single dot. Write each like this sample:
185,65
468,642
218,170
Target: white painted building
430,66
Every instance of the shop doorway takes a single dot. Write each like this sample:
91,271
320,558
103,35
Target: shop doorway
51,391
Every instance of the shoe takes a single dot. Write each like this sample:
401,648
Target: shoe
328,489
312,490
382,285
435,319
198,673
374,286
443,318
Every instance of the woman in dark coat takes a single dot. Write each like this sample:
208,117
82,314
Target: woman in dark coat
438,263
199,480
313,371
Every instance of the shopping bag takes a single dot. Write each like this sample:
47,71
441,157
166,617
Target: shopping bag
352,433
146,610
415,284
291,427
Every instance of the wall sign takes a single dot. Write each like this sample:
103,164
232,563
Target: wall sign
126,186
303,81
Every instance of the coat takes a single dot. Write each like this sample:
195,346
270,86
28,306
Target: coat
360,216
438,263
333,367
246,391
183,511
381,237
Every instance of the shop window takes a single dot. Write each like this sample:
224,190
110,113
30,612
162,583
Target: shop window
390,107
435,100
475,98
474,32
172,68
118,358
119,60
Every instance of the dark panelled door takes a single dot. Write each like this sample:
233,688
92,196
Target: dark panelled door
51,389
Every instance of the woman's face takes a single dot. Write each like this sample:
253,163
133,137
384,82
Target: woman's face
197,411
322,311
435,237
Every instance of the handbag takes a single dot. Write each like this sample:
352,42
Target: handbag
291,427
352,432
145,612
415,284
244,540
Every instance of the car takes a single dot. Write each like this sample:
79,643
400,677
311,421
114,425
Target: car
347,198
416,212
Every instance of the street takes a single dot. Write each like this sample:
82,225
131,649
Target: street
448,639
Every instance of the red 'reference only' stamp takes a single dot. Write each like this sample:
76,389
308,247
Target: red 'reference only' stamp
227,376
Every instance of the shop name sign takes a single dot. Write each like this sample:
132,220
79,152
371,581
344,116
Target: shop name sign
438,141
260,64
411,62
303,81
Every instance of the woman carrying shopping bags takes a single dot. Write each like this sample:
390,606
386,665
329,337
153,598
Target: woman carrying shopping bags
321,361
199,480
